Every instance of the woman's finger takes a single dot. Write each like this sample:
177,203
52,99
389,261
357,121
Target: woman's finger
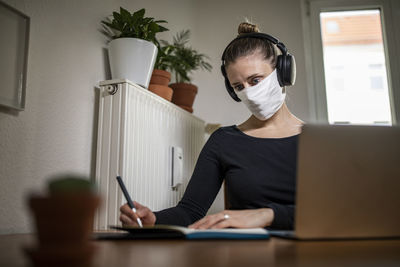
215,219
208,221
230,221
222,224
125,209
126,220
138,205
143,212
198,223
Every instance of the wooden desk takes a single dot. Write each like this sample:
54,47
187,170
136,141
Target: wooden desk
180,253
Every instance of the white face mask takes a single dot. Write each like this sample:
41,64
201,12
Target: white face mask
263,99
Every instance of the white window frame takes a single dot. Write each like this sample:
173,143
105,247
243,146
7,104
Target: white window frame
390,14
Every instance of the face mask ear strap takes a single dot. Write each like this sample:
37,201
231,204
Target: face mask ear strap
228,86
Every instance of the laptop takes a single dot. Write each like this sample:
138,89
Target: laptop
348,183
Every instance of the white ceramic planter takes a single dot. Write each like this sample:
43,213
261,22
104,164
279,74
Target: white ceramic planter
132,59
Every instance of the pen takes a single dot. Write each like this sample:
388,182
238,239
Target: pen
128,198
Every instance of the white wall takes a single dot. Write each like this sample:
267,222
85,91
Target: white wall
57,130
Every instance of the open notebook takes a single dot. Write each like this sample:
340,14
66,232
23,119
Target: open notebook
172,231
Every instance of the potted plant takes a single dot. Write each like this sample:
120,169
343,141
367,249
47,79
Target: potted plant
161,76
132,48
64,222
186,60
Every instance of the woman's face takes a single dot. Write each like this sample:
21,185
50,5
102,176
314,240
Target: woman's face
248,71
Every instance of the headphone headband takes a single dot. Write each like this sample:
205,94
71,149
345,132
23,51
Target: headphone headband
258,35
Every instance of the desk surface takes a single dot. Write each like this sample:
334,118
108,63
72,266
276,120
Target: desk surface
177,253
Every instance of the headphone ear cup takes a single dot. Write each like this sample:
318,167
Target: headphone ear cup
286,70
228,86
292,69
279,70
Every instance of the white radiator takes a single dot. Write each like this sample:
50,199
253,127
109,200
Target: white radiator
136,132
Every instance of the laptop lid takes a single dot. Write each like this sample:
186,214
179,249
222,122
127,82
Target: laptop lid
348,182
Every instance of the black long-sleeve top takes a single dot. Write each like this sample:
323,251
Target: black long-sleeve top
258,173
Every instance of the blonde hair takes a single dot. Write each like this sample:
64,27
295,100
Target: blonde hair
247,27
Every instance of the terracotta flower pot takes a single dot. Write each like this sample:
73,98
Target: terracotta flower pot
161,77
64,219
188,109
162,90
159,84
64,224
184,94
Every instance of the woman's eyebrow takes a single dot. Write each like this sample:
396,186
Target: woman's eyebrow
254,75
250,77
237,83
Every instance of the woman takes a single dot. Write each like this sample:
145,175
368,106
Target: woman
256,159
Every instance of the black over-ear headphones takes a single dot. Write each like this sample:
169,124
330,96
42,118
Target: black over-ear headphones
285,64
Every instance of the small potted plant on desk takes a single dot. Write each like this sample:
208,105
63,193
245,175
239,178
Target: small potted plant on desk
64,222
185,61
132,49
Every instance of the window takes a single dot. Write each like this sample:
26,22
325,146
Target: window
356,43
350,62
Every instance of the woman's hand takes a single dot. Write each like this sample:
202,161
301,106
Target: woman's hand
128,217
237,219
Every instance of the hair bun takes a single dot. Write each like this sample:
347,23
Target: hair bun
246,27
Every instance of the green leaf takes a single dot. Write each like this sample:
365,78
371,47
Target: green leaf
182,59
153,27
147,20
124,13
117,16
162,29
139,14
125,24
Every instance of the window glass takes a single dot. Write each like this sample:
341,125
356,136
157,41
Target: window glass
355,69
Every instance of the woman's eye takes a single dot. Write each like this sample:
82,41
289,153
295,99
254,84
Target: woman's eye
255,80
238,87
